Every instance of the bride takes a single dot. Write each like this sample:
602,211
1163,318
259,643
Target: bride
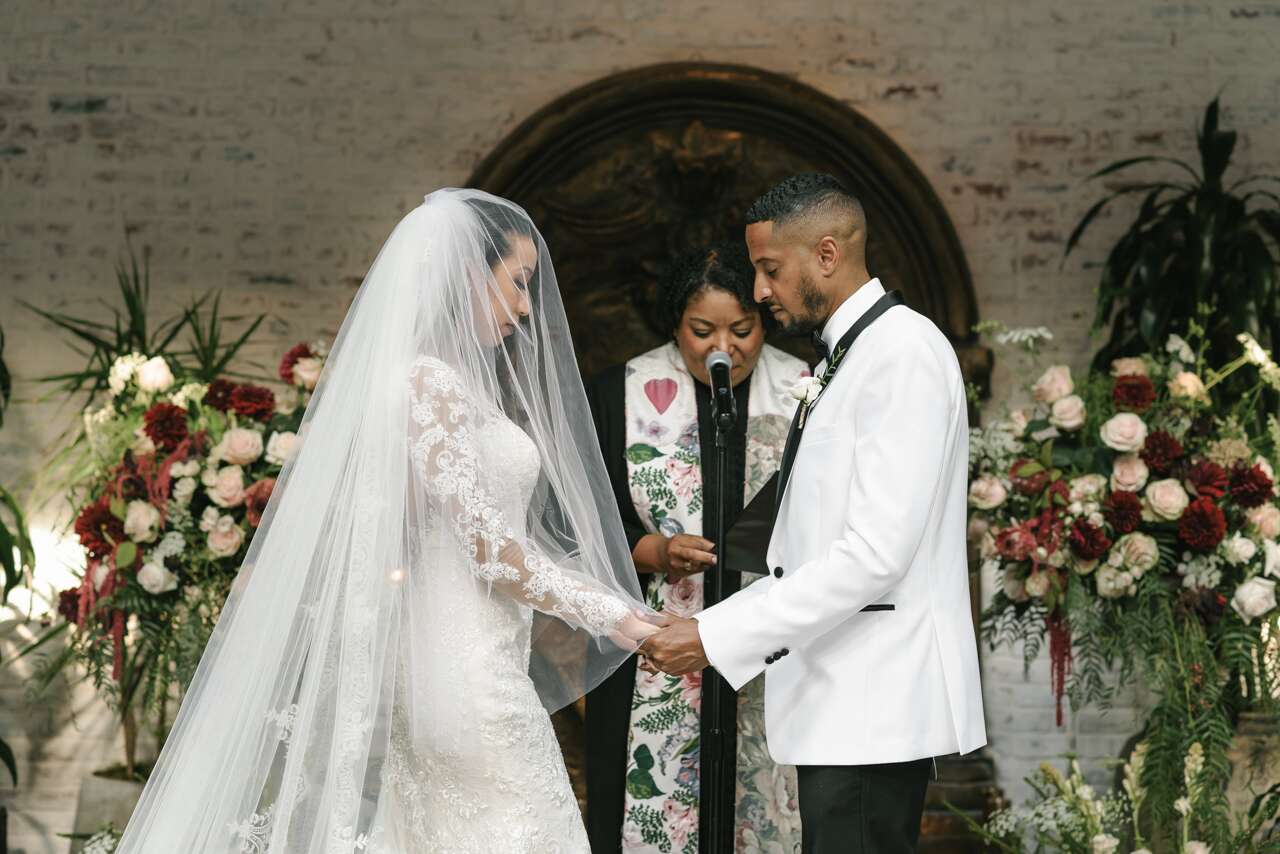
379,681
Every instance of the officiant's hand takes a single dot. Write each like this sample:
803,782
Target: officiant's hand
684,555
675,649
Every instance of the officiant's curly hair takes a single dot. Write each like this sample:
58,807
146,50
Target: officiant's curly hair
724,266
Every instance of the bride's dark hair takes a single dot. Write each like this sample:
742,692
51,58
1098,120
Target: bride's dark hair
501,223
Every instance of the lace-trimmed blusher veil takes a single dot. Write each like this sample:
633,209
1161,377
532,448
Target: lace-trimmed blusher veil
341,618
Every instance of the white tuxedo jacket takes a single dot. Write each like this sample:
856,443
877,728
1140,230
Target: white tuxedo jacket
873,514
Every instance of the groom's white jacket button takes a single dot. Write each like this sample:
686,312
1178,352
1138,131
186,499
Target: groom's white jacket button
777,572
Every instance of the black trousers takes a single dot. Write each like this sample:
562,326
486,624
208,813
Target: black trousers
862,809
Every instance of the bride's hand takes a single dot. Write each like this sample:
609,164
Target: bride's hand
633,629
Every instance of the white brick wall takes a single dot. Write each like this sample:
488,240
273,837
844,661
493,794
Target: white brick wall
266,148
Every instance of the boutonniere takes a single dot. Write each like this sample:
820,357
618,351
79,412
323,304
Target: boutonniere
807,390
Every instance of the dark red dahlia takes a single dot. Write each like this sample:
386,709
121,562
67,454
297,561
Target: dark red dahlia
98,529
1032,484
219,394
1015,543
1160,452
1133,393
69,605
1207,479
1202,525
1088,541
1250,485
298,351
166,425
1124,511
253,401
256,498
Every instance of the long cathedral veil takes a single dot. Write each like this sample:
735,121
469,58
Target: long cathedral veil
281,737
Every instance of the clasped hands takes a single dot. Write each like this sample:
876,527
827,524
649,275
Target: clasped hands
669,643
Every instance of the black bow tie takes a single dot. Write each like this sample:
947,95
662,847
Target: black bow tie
820,345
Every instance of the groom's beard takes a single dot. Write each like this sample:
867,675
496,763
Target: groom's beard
815,308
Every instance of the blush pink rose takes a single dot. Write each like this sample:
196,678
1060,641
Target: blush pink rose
227,489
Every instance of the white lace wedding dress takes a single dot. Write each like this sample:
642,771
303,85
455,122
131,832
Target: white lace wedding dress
474,764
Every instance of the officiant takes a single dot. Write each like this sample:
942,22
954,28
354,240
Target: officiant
653,416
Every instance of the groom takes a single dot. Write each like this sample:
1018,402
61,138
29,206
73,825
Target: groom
864,628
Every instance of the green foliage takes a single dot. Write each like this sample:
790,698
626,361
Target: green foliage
1195,242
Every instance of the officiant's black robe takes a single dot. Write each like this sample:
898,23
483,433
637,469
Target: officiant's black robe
609,705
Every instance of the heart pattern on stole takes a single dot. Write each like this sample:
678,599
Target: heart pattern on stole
660,393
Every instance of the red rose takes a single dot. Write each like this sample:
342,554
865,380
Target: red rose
219,394
1015,543
1202,525
1160,452
1133,393
1250,486
1088,541
1124,511
166,425
1207,479
298,351
253,401
256,498
98,529
1032,484
69,605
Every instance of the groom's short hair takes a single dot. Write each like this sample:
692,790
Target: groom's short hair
810,196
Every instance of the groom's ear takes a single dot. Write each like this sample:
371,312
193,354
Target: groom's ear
828,253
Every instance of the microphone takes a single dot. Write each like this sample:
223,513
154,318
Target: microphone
724,407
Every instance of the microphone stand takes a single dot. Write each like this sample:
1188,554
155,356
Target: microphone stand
718,764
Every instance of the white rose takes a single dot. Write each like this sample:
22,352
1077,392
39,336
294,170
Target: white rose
1265,521
306,372
280,447
142,444
1129,367
183,489
1166,499
987,493
1239,550
1087,487
208,519
1037,584
226,537
1068,412
228,487
155,578
1139,552
1018,420
1114,583
154,375
1271,558
1124,432
240,446
1103,843
1053,384
287,401
1254,598
1129,473
806,389
141,521
1189,386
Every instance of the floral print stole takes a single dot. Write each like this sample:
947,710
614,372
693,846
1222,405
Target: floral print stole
664,471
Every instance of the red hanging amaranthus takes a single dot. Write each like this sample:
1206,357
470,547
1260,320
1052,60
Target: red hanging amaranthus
1059,657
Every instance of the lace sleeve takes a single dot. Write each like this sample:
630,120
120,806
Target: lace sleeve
443,423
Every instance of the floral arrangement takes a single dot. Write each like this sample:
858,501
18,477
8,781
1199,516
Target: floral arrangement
1133,521
1067,815
175,476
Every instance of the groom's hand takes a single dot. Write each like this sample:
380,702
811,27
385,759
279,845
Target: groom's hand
676,648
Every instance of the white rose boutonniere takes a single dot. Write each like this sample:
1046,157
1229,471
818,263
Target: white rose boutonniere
806,390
